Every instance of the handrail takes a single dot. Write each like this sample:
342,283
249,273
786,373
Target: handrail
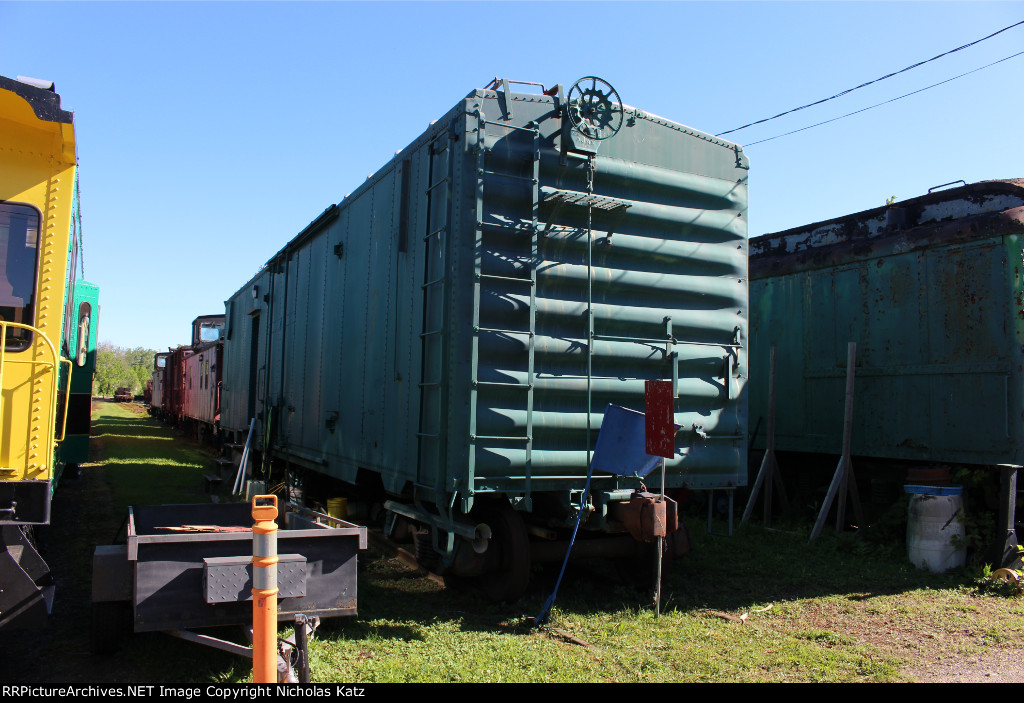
49,365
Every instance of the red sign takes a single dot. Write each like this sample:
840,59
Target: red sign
660,428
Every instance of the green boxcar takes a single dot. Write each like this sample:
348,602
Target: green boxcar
80,346
458,324
932,291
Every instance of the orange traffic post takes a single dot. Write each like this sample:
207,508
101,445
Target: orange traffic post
264,589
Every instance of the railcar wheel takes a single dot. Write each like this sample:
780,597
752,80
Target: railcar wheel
509,569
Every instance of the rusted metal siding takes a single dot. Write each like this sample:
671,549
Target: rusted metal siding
175,389
932,292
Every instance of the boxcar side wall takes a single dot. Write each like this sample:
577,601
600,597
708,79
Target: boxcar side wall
935,307
245,355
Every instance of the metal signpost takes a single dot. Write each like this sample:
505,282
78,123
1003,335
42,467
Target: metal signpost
659,435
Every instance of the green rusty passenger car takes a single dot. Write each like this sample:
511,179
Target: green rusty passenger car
932,292
454,329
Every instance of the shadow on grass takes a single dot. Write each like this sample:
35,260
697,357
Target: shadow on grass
757,566
754,567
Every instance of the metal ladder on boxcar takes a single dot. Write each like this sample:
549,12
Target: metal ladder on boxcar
433,340
481,280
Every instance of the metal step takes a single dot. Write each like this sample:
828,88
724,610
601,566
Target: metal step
27,595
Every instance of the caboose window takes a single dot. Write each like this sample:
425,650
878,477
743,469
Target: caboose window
84,323
19,247
210,331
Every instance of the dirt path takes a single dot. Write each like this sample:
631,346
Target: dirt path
999,666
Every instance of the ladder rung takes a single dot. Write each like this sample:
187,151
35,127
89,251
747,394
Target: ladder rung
443,180
431,332
669,340
528,179
524,386
434,233
499,437
499,331
507,278
432,283
510,126
428,434
432,384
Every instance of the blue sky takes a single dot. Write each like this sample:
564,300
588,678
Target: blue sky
211,133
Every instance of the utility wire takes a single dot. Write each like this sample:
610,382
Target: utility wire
862,85
777,136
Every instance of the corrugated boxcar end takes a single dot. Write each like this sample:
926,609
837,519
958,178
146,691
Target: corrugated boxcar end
931,290
459,322
625,181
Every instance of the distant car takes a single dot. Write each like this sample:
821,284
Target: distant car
124,395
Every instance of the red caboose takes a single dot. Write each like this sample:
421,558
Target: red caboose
200,405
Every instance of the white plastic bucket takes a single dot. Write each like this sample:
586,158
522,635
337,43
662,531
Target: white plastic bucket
935,529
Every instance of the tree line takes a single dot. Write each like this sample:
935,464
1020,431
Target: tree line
118,367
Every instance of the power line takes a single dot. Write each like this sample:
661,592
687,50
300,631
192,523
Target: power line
885,102
862,85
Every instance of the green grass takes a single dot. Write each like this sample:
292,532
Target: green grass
840,609
144,463
463,641
835,610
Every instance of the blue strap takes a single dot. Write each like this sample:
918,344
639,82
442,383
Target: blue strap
550,602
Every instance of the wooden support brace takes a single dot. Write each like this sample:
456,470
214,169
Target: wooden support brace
769,464
841,480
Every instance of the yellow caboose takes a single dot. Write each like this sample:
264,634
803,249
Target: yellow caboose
38,250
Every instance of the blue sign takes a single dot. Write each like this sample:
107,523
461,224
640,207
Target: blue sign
621,444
